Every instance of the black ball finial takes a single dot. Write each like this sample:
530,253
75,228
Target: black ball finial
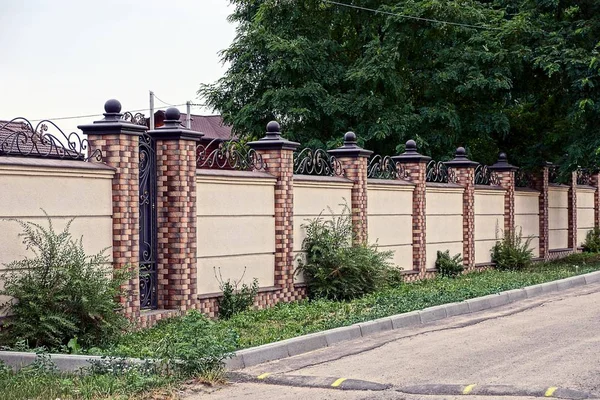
172,114
350,138
502,157
112,106
411,145
461,152
273,127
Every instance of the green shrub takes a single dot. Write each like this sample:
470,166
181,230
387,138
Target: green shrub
512,252
235,298
334,268
592,241
447,265
60,293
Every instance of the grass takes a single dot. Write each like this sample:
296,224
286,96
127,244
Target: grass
252,328
287,320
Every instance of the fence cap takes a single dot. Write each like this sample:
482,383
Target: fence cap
411,154
461,160
112,123
273,140
502,164
350,149
172,130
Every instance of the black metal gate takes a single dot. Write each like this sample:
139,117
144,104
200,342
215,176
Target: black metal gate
148,222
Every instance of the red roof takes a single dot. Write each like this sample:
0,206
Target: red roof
211,125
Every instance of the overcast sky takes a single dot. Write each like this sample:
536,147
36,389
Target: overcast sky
67,57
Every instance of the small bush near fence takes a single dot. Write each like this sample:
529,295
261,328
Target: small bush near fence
236,298
61,293
513,252
447,265
592,241
335,269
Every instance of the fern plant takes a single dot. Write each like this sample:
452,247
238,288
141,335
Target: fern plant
447,265
60,293
513,252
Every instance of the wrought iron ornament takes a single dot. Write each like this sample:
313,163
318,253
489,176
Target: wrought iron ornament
148,272
229,154
523,179
317,162
23,139
137,118
553,174
584,177
385,168
438,172
485,176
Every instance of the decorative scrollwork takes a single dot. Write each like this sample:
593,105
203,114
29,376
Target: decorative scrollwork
316,162
584,177
438,172
18,137
485,176
553,174
385,168
229,154
523,179
137,118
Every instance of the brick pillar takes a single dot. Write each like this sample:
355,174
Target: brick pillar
278,154
572,198
177,262
595,182
355,160
506,174
540,183
119,142
415,165
465,175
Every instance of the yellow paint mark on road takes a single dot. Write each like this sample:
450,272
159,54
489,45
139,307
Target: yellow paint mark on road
550,391
468,389
263,376
338,382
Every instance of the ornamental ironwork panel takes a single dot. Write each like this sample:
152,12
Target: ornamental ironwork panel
19,137
137,118
438,172
148,224
385,168
523,179
317,162
229,154
485,176
584,177
554,174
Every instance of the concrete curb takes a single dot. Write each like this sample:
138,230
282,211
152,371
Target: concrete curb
303,344
314,341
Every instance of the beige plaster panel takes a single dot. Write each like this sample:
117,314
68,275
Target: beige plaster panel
558,218
527,203
558,197
235,197
455,248
529,225
483,251
314,198
403,256
390,202
388,230
585,198
585,218
489,202
59,193
96,232
260,266
581,234
558,239
488,227
235,235
444,228
444,201
63,193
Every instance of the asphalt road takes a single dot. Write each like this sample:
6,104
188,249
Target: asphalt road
546,346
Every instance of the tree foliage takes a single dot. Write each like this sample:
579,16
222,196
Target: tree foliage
525,81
